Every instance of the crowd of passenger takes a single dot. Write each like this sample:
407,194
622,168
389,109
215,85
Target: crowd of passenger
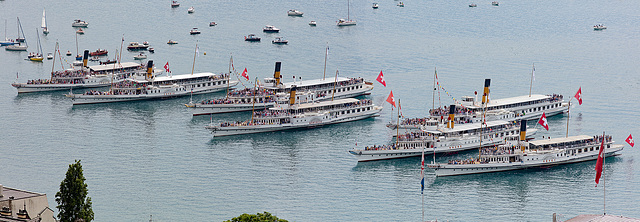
250,92
236,101
465,161
381,147
415,121
443,111
555,97
351,81
498,150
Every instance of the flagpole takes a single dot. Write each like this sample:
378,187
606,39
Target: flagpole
568,116
194,58
531,85
253,106
334,85
229,79
326,53
398,125
433,97
422,185
604,181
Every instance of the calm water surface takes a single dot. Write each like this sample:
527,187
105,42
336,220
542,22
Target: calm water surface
152,157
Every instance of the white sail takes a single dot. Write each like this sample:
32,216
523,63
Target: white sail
44,20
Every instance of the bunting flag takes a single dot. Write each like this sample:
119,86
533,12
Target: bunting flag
391,100
166,67
629,140
600,162
579,96
381,79
543,121
244,74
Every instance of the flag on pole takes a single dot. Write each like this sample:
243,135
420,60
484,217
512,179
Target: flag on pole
543,121
599,163
629,140
579,96
381,79
166,67
244,74
422,174
391,100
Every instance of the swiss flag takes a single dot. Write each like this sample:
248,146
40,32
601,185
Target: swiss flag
579,96
630,140
600,162
543,122
391,100
244,74
166,67
381,79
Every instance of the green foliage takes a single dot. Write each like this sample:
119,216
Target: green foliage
73,203
266,217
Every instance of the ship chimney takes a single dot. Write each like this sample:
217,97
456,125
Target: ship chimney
292,95
485,96
452,115
1,188
276,73
523,133
85,58
150,70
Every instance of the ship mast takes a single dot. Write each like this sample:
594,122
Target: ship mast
326,53
253,106
195,53
53,65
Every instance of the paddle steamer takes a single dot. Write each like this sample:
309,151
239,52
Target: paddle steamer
309,115
156,87
275,93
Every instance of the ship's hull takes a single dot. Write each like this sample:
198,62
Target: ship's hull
463,169
318,121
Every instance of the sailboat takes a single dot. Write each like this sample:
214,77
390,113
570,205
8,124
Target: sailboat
38,55
19,41
6,40
45,30
348,21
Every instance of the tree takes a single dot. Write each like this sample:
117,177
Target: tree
266,217
73,203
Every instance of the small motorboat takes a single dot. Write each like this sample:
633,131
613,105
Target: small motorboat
473,5
375,6
400,4
270,29
599,27
280,41
78,57
171,42
94,59
99,52
49,55
194,31
77,63
495,3
252,38
140,56
294,12
313,23
174,4
191,10
152,50
79,23
137,46
68,53
107,62
80,31
213,23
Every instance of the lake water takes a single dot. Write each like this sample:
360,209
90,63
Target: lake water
153,158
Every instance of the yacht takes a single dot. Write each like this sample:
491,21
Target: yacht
252,38
533,154
375,6
270,29
308,115
280,41
294,12
599,27
495,3
191,10
175,4
313,23
194,31
137,46
79,23
172,42
473,5
140,56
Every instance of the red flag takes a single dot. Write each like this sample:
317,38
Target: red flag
244,74
630,140
600,162
166,67
391,100
543,121
381,79
579,96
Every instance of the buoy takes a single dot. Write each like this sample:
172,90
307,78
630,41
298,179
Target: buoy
205,53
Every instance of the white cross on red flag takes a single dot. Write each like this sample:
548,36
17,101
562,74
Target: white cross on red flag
391,100
629,140
381,79
578,96
600,161
244,74
543,121
166,67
